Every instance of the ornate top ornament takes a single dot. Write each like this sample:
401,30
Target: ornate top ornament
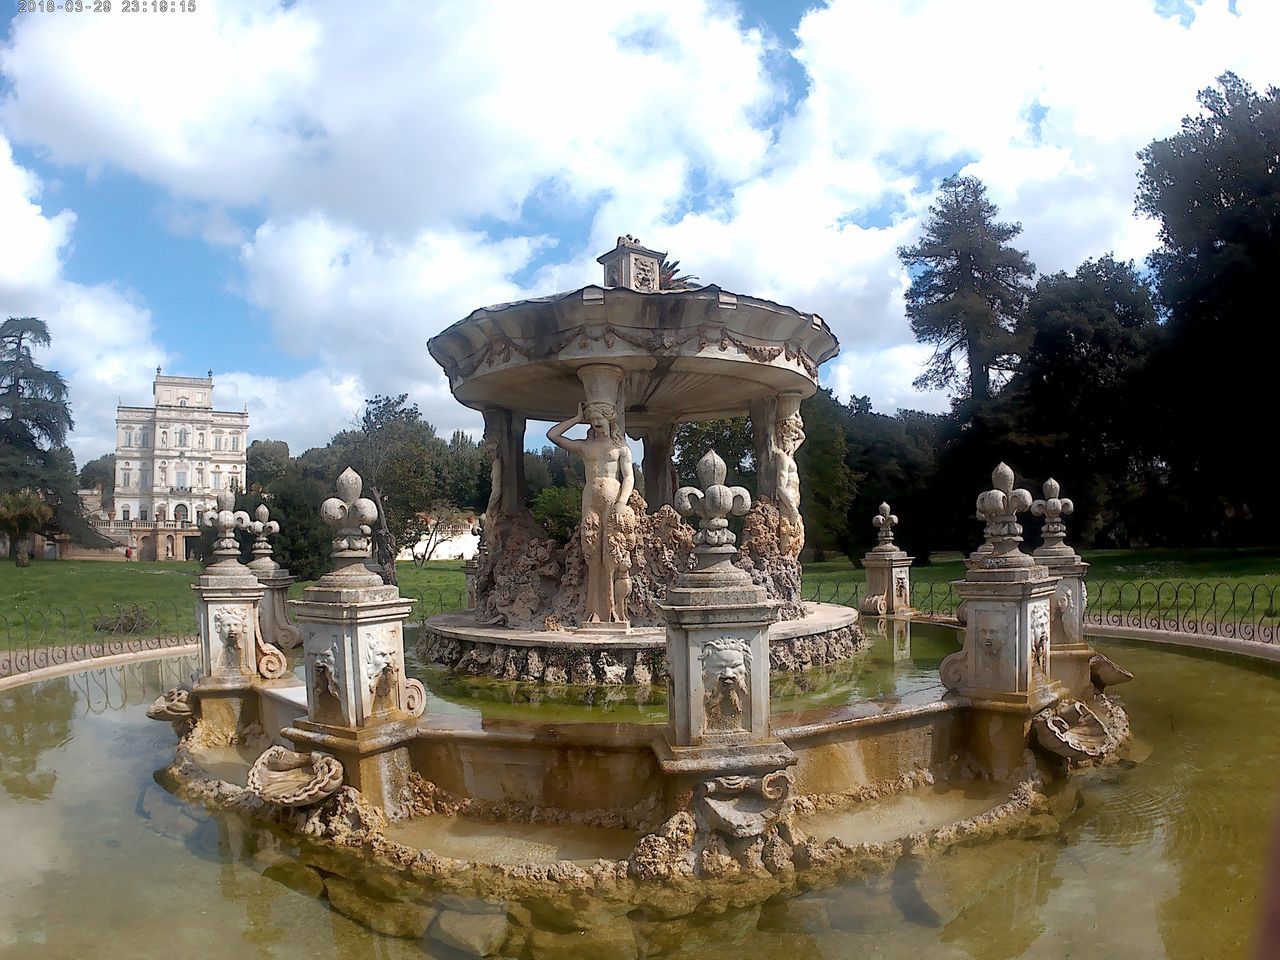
350,515
1053,508
713,504
263,528
226,520
999,509
884,521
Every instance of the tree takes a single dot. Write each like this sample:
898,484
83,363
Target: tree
732,439
1086,337
670,277
398,455
100,474
442,521
968,288
1214,186
34,420
265,462
21,515
559,510
827,484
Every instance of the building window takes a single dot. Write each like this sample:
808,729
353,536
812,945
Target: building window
124,513
125,477
183,437
235,442
182,478
217,480
142,514
180,513
128,438
182,401
217,441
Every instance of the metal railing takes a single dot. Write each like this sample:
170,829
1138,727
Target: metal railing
51,637
1235,611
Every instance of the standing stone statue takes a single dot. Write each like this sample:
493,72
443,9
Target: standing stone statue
608,522
789,434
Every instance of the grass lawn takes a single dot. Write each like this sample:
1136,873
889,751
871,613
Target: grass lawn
57,601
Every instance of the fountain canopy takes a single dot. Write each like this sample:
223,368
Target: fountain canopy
687,354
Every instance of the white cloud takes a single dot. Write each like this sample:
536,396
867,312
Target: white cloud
101,340
392,161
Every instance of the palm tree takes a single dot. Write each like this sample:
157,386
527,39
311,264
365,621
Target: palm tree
21,515
669,277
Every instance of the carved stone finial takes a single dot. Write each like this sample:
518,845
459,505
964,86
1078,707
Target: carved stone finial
714,503
1053,508
999,508
263,528
226,520
351,516
884,521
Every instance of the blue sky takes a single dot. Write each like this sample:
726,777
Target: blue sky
298,198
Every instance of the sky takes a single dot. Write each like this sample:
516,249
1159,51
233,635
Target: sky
299,195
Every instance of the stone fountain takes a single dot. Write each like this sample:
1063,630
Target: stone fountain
628,359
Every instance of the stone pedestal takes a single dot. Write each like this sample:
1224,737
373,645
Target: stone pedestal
273,613
360,706
1071,652
888,571
232,653
1004,665
718,747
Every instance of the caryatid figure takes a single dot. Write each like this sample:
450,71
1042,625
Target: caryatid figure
788,435
608,522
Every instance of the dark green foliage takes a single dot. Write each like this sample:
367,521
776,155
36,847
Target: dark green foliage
1214,186
826,482
969,287
101,473
35,416
266,461
559,510
732,439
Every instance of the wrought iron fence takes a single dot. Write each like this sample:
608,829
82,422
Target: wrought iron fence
1236,611
434,600
55,636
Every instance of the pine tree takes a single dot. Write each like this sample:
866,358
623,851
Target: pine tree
968,288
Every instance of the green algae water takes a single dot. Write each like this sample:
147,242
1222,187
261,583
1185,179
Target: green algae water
1162,860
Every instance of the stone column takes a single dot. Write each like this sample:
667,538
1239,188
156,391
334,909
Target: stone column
360,706
718,742
659,467
1003,667
273,612
233,653
764,416
1070,651
504,437
888,571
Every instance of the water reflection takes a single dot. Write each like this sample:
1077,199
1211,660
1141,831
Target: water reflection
1161,861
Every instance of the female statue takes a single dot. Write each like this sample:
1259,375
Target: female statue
790,434
608,523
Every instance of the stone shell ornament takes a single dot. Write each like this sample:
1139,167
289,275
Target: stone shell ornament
289,779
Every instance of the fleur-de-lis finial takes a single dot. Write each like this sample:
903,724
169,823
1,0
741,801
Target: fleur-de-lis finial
713,504
999,508
226,520
884,521
1053,508
350,515
263,528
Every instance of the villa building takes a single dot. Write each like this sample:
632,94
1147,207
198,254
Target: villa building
172,458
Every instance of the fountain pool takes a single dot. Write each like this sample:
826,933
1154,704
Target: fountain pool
1162,859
